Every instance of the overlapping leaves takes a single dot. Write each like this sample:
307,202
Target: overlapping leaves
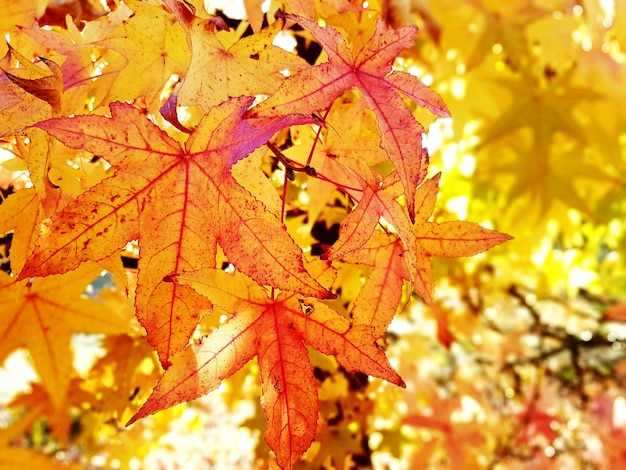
184,206
180,204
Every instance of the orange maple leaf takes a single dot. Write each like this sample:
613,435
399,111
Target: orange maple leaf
29,94
179,203
47,85
421,240
451,239
370,71
377,199
380,296
274,327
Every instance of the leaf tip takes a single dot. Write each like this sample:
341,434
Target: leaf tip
131,421
27,272
503,237
136,417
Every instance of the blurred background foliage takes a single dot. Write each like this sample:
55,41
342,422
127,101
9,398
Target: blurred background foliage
519,363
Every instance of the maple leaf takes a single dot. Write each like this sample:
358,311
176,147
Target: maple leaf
380,296
370,71
41,316
29,94
548,112
446,239
421,240
179,203
223,66
377,200
18,108
274,327
77,68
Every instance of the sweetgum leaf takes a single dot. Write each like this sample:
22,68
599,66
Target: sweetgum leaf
420,241
276,328
179,203
370,71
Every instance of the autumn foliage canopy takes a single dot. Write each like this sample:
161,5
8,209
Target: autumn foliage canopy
207,194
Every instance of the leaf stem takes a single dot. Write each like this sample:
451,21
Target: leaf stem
317,136
293,167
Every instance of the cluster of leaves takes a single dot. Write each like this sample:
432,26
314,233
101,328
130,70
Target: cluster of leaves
211,231
233,226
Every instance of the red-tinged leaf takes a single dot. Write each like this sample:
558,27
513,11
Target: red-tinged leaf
381,294
276,330
179,204
184,12
47,85
420,241
27,95
377,201
444,335
200,368
290,402
169,111
537,422
446,239
370,71
76,71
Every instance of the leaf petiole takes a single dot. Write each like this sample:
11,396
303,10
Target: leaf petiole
292,167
